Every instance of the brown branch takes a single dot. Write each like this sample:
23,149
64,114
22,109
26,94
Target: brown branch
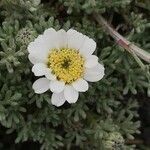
123,42
136,142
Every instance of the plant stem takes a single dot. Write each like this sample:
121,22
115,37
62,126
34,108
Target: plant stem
123,42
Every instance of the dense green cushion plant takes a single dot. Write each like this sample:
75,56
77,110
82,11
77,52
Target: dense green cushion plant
105,117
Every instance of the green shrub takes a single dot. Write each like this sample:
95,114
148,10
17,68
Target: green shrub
110,106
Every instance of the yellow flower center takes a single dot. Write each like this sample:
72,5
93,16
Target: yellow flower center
67,64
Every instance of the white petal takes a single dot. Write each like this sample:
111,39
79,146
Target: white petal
49,75
75,39
43,43
41,85
49,32
88,47
38,46
37,58
91,61
51,38
31,47
81,85
94,74
71,95
39,69
32,59
62,38
94,78
58,99
57,86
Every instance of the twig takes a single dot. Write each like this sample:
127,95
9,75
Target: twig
130,47
136,142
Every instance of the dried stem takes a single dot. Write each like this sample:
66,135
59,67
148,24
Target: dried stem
130,47
135,141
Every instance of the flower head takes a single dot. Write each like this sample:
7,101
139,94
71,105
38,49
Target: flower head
25,36
114,141
66,61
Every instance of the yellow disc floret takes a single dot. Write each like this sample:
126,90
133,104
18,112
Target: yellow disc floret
67,64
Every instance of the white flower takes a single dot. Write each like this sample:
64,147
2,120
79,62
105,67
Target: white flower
65,60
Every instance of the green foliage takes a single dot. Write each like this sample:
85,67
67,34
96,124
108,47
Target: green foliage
114,141
109,107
